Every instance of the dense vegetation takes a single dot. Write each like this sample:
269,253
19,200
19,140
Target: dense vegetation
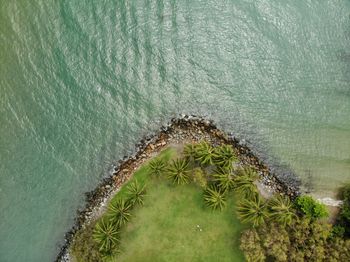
279,229
342,227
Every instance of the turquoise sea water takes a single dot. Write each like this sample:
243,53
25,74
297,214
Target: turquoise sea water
82,81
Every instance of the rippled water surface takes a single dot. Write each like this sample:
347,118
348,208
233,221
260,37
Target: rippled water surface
82,81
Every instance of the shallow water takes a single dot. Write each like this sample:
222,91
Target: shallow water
82,81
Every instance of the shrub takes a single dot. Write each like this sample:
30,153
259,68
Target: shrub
251,246
311,208
343,219
199,177
84,248
303,240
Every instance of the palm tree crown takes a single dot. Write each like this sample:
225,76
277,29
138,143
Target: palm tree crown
120,211
190,151
157,167
224,179
215,198
204,153
281,210
225,156
178,171
136,193
106,235
253,210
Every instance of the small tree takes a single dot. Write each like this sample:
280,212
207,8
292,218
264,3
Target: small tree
215,198
157,167
136,193
251,246
106,235
178,171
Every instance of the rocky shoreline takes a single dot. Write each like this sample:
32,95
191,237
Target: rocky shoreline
186,128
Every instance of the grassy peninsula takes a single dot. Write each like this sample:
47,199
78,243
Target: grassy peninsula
200,200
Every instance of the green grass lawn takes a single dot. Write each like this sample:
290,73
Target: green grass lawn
165,228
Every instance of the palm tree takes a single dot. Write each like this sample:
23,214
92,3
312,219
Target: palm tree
157,167
281,210
204,153
225,156
178,171
244,183
224,179
249,173
190,151
253,210
106,235
136,193
214,198
120,211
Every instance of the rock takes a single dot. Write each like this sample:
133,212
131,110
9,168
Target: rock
151,146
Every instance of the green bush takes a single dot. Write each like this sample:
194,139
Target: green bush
303,240
343,219
311,208
199,177
84,248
